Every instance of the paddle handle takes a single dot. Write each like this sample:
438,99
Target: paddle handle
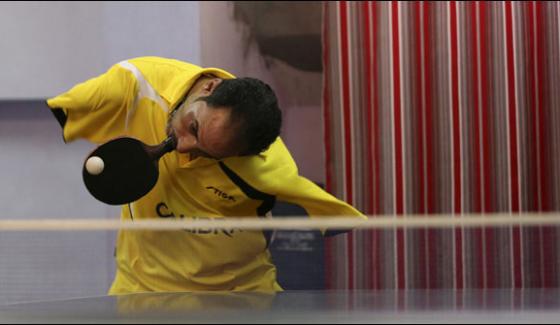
157,151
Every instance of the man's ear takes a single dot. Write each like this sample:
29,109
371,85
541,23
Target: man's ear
186,143
210,86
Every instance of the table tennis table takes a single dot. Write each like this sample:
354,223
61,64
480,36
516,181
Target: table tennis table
385,306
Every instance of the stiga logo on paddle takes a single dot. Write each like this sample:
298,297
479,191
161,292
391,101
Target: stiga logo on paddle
220,193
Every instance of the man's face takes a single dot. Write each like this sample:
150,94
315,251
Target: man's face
204,131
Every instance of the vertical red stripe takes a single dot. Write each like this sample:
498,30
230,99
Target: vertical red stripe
487,140
327,137
515,208
486,108
541,109
369,102
536,234
456,144
421,190
431,158
536,243
548,232
514,155
533,175
456,113
423,266
376,142
429,108
345,50
376,112
397,108
477,195
326,100
398,144
369,133
477,189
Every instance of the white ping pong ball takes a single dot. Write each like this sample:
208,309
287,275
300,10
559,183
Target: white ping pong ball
95,165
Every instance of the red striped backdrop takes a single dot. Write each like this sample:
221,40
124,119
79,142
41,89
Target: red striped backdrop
443,107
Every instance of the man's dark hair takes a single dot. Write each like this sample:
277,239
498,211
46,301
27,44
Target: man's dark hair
254,106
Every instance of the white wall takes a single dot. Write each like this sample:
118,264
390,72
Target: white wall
40,178
48,46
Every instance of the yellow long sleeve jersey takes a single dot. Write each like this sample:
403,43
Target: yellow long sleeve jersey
134,98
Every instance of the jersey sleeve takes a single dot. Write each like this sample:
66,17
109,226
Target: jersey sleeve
317,202
96,110
288,186
276,174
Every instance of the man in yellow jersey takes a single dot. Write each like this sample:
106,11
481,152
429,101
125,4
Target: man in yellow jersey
229,162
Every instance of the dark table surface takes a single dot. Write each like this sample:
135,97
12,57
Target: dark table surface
409,306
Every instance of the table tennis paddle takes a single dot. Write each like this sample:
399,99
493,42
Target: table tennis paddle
130,169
